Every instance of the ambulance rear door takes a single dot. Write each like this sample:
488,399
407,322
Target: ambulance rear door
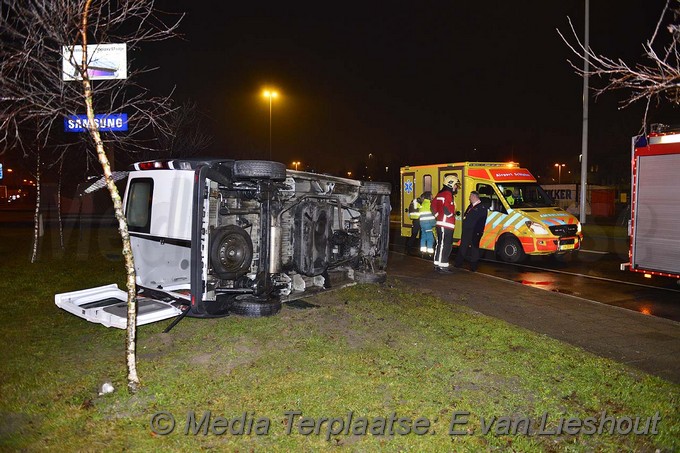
408,193
458,198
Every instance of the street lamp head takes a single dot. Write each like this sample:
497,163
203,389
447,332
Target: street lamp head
270,94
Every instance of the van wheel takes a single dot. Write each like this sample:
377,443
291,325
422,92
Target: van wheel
231,252
247,169
252,307
510,250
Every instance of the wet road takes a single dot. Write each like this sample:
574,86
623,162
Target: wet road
593,275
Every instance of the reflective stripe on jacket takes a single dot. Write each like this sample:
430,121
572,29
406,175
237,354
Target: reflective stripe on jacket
414,210
425,213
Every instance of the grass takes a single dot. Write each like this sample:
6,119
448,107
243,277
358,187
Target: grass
371,350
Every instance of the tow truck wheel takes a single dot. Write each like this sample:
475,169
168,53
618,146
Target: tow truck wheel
246,169
231,252
510,250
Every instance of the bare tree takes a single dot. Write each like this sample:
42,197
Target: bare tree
189,134
656,78
34,34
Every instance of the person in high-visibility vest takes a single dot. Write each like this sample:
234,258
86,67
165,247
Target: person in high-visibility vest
414,215
427,223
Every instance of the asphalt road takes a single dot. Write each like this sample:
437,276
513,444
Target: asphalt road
594,275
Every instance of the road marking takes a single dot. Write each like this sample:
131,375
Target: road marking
594,251
590,276
562,272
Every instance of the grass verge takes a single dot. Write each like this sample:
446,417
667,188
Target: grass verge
369,351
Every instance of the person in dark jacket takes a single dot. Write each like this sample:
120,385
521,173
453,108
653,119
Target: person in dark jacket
474,221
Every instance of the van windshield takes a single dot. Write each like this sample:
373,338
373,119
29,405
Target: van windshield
525,195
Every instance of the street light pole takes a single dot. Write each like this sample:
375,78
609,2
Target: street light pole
559,172
270,95
296,163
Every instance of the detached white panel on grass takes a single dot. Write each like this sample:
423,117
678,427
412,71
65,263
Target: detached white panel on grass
107,305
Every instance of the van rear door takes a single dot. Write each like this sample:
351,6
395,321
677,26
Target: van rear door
107,305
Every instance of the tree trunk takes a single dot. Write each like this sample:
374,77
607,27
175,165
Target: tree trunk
131,354
36,216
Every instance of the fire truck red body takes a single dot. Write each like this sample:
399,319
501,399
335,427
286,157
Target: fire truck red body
654,226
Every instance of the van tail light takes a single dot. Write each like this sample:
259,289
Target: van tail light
154,165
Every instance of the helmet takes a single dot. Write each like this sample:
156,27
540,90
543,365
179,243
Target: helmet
451,181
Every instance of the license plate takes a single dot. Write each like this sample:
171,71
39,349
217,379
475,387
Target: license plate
567,247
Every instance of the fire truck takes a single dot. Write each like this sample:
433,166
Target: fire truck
522,220
654,226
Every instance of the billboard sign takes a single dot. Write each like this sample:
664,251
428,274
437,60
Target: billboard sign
105,62
107,122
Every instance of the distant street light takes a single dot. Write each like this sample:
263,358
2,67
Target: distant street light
559,172
270,95
296,163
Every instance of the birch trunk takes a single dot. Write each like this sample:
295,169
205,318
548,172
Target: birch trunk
36,215
131,354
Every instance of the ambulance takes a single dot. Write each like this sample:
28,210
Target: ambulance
522,220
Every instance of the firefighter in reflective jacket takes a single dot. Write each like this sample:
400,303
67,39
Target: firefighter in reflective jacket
414,215
444,210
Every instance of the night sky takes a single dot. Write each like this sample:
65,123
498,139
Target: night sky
426,82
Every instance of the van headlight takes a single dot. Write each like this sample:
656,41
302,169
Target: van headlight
536,227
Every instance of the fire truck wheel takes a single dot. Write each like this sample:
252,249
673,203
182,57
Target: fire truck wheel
510,250
370,277
246,169
251,307
231,252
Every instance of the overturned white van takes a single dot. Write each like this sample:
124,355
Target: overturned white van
213,237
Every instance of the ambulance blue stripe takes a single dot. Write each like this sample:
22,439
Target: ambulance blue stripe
500,218
490,217
519,224
511,220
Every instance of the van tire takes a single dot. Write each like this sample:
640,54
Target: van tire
251,307
231,252
266,169
510,250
